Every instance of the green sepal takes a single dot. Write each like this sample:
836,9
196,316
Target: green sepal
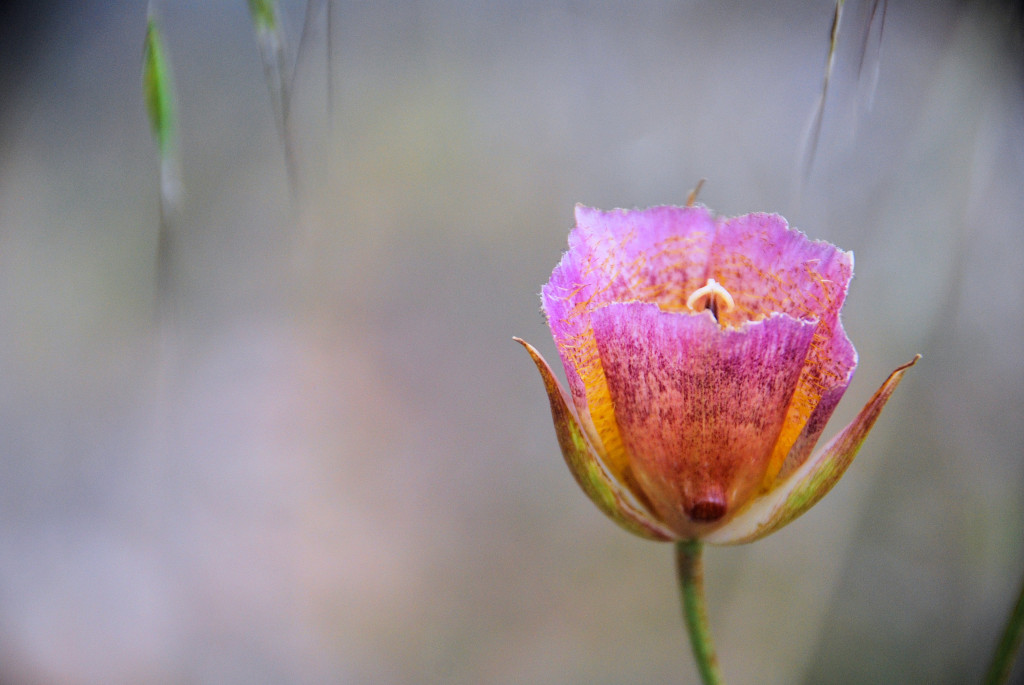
610,496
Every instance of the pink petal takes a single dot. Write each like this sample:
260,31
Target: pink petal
806,485
655,255
768,267
699,406
658,253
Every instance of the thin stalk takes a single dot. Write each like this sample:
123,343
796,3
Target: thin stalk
690,567
270,36
811,144
1009,644
158,90
159,95
164,297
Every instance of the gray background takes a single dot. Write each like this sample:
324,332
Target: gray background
340,468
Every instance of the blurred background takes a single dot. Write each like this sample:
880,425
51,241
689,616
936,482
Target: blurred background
339,468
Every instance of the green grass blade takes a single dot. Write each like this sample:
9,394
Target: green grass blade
158,89
264,14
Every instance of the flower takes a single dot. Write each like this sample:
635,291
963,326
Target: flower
704,356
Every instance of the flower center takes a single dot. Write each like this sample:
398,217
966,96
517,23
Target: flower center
710,296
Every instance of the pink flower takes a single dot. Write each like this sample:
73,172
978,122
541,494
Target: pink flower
704,356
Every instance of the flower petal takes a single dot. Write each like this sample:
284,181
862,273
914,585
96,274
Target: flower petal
769,267
658,254
812,480
602,488
699,406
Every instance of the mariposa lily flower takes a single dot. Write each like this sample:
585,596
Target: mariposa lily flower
704,357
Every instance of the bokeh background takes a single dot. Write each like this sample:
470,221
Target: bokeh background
339,468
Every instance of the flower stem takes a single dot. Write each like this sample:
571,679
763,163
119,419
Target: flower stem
1009,644
690,567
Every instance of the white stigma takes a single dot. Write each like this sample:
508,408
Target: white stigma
711,296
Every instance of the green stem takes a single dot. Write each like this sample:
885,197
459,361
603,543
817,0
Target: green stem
1009,644
690,567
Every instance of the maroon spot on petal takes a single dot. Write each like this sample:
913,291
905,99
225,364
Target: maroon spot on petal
707,508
